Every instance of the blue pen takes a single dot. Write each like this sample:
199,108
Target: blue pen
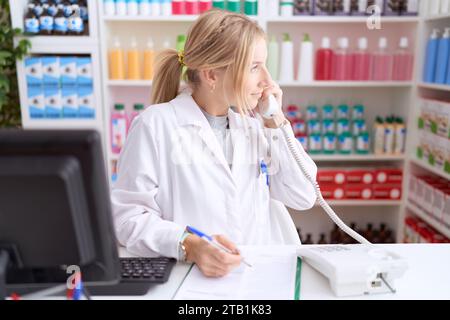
263,167
212,241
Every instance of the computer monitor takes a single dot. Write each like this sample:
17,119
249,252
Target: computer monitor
55,210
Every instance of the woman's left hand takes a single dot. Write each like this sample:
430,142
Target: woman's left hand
278,118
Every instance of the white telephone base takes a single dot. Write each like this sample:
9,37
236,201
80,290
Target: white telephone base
354,270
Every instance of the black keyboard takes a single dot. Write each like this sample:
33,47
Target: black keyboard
137,276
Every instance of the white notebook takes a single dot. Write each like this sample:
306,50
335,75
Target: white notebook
272,277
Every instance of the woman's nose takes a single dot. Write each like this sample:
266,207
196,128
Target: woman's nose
266,78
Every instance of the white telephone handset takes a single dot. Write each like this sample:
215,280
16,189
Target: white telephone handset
324,262
269,107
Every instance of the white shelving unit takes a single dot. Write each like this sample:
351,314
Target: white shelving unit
429,219
63,45
380,98
428,91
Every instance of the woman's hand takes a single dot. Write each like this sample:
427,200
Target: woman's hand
278,118
212,261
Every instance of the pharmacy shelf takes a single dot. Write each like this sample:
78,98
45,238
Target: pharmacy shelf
429,219
362,203
348,84
173,18
61,123
337,19
368,158
130,83
61,44
440,87
320,84
437,17
428,167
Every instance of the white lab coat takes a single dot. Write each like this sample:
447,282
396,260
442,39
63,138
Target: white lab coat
172,172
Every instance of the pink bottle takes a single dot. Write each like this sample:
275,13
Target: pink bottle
342,61
403,62
324,61
192,6
137,110
119,124
382,62
362,60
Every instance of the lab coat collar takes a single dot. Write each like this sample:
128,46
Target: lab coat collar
188,113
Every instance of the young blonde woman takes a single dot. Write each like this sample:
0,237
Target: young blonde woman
199,157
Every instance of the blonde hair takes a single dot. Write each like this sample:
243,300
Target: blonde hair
218,39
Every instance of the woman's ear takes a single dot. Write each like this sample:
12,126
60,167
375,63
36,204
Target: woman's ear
211,77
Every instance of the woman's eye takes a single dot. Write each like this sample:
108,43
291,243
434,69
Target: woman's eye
254,68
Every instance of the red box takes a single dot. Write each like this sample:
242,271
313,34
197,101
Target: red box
331,177
388,176
204,6
360,176
387,192
178,7
439,238
358,192
192,7
333,192
426,235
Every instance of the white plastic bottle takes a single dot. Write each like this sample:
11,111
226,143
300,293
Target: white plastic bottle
166,8
433,7
286,8
144,7
287,59
121,7
132,7
445,7
155,8
109,7
273,58
272,8
306,65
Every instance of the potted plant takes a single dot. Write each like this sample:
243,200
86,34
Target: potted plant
9,93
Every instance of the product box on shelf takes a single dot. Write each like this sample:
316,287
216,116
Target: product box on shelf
68,71
331,176
84,71
85,102
51,70
358,191
33,71
69,101
333,192
387,191
388,176
36,103
441,204
363,176
53,107
303,7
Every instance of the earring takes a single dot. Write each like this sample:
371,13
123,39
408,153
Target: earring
213,87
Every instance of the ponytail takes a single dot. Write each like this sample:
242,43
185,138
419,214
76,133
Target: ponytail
166,81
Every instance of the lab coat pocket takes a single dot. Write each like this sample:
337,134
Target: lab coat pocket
261,200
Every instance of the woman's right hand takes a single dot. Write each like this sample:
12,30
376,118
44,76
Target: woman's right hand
212,261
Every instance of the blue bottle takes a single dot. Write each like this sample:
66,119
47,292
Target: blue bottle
431,57
442,58
448,71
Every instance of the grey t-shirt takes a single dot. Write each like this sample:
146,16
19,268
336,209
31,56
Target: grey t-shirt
221,129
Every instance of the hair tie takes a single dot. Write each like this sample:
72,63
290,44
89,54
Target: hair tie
181,57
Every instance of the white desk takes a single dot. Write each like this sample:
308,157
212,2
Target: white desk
428,277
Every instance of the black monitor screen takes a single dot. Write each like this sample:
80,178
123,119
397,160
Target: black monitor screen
55,207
